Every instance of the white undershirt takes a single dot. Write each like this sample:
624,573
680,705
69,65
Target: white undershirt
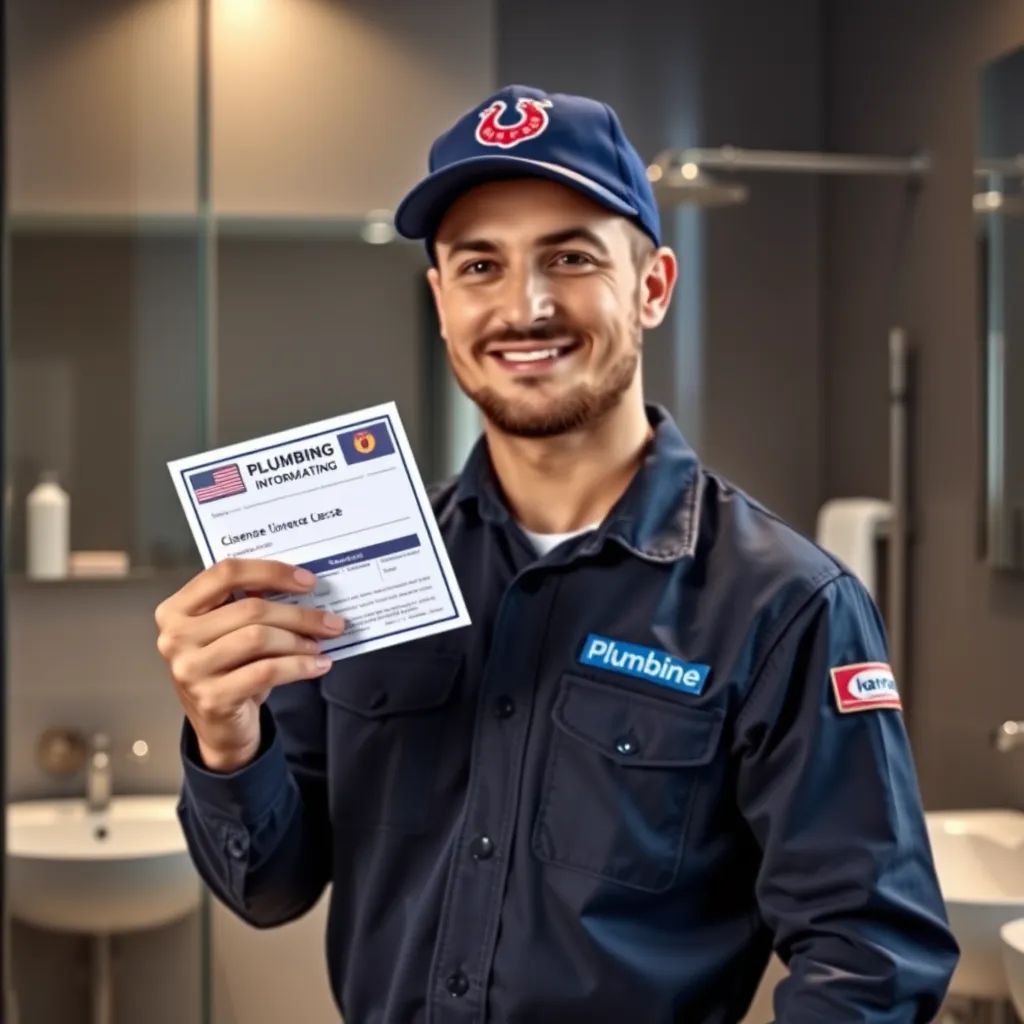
545,542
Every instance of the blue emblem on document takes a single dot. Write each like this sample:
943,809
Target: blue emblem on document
365,443
646,663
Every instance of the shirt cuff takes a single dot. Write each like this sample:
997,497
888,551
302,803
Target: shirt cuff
245,795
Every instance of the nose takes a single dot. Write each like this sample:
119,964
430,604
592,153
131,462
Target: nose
526,299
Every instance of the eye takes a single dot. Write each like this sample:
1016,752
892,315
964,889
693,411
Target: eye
574,260
477,267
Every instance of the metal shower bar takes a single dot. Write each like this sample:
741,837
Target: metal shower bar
735,159
898,547
1006,165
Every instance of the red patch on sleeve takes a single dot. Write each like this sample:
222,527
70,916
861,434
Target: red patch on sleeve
867,685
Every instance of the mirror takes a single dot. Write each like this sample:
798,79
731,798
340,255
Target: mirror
999,212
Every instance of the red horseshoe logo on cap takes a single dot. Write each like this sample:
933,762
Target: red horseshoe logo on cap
533,119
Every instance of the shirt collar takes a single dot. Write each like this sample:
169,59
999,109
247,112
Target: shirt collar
657,518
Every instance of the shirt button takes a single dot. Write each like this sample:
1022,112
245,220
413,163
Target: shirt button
627,745
237,846
482,848
504,706
458,984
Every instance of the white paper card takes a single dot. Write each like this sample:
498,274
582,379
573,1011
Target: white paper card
343,498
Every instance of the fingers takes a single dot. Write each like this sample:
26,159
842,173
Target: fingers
212,587
240,647
257,611
257,678
216,680
204,647
225,658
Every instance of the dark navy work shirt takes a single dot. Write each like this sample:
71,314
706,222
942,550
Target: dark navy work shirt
609,797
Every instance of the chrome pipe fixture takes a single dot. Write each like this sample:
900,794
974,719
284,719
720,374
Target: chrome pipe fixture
98,778
680,175
688,183
898,550
995,199
733,158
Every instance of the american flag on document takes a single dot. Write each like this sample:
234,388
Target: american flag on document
221,482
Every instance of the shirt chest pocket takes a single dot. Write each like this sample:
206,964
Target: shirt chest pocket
619,782
387,712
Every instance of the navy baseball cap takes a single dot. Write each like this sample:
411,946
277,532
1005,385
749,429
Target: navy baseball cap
525,132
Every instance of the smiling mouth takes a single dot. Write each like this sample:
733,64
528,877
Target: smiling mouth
534,359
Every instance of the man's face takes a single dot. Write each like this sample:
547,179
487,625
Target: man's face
542,297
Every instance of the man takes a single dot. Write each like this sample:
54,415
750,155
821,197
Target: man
669,740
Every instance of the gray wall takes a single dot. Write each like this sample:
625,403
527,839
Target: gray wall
312,328
762,398
899,77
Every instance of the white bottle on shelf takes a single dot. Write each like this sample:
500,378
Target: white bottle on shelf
48,523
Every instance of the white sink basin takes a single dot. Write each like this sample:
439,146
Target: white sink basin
118,870
1012,936
979,857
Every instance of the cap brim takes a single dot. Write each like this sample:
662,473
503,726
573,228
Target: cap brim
421,210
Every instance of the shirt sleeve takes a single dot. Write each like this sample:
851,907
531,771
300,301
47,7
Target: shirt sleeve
260,837
827,784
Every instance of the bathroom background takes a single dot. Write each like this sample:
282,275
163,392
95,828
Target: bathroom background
198,251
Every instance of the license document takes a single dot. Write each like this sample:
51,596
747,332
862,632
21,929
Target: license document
343,498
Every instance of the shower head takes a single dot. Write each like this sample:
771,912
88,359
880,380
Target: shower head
680,176
686,184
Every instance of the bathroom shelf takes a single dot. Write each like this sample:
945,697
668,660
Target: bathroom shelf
179,225
293,226
139,575
174,225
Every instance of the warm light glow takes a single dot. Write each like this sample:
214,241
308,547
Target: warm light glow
690,171
654,173
140,748
243,9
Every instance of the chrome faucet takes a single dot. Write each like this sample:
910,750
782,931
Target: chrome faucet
98,777
1008,735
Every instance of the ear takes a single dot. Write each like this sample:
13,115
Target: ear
434,280
657,281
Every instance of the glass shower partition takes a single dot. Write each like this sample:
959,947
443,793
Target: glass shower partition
107,372
199,254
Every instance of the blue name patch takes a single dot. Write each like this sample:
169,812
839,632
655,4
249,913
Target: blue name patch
644,663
